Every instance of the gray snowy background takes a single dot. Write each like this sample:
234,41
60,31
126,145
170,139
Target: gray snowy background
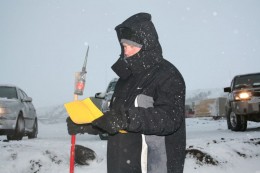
43,43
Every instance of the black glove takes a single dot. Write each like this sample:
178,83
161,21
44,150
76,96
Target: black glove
112,121
74,128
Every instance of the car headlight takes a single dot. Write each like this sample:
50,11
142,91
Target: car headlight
245,95
108,104
3,111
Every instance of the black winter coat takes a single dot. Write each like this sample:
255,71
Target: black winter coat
152,92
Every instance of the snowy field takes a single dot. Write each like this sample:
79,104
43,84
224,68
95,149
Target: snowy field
211,148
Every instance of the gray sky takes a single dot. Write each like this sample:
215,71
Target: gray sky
43,43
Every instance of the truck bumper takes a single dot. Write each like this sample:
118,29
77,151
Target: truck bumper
247,107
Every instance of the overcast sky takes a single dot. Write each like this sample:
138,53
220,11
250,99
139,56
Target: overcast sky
43,43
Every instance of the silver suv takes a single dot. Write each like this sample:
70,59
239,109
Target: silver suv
105,98
17,114
243,102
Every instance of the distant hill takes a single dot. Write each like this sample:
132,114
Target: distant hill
52,114
57,113
201,94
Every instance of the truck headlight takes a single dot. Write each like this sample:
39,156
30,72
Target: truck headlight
245,95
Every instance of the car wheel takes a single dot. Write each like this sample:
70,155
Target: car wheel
237,122
103,136
34,133
19,129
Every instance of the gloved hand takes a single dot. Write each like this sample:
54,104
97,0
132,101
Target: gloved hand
112,122
74,128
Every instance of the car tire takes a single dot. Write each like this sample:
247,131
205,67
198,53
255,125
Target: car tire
34,133
103,136
236,122
19,129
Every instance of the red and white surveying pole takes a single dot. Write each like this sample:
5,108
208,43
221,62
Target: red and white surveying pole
80,79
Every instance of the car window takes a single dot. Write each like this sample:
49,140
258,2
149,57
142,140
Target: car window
232,84
247,81
22,94
111,87
8,92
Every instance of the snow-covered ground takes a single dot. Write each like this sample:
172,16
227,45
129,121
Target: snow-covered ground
211,148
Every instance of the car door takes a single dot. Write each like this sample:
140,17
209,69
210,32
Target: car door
27,108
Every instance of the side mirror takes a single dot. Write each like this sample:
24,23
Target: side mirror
27,99
227,89
100,95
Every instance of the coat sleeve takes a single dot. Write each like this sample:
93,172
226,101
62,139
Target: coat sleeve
167,113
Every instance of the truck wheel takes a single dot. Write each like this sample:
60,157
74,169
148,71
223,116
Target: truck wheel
228,119
19,129
237,122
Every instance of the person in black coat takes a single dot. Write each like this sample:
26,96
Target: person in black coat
148,104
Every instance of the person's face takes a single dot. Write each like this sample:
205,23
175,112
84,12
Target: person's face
130,50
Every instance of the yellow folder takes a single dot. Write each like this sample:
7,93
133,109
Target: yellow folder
83,111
